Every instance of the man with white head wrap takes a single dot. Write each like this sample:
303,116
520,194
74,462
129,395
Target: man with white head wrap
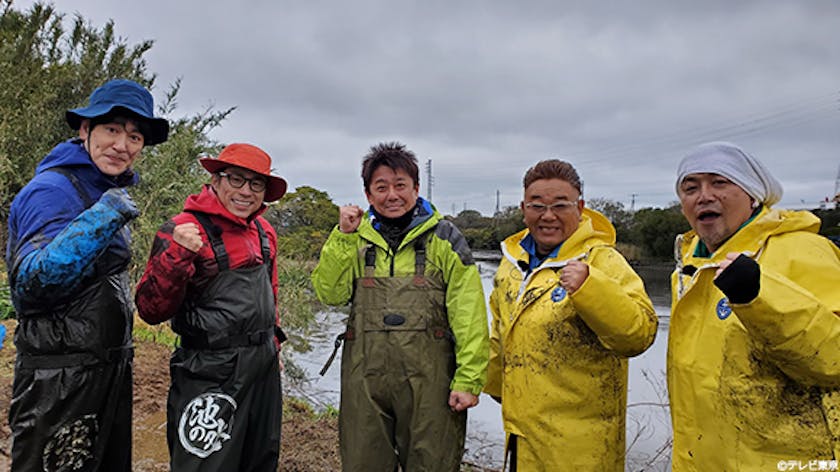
760,389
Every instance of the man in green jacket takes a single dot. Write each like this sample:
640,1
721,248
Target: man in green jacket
416,345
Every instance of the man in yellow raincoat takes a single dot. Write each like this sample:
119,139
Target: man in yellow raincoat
567,313
754,346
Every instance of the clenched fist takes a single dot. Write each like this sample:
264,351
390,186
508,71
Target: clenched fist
188,235
573,275
349,218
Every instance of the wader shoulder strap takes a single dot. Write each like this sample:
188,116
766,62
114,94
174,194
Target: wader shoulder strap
86,200
370,260
214,234
420,259
419,255
264,244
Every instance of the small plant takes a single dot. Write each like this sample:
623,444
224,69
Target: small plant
329,412
160,334
7,310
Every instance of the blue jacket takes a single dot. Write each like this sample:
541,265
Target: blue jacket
56,236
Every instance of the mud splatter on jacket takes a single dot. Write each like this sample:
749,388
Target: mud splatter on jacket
558,361
161,291
54,241
756,383
67,258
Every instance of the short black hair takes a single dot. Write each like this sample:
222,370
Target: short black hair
553,169
393,155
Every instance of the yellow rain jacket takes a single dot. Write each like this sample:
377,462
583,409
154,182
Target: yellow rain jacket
558,361
754,385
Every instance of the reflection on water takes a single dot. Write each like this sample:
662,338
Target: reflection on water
657,278
648,420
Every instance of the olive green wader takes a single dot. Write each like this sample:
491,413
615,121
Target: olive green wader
397,364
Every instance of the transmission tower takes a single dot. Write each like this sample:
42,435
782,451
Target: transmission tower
497,201
837,186
429,180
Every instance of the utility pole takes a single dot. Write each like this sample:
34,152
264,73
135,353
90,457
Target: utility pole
429,180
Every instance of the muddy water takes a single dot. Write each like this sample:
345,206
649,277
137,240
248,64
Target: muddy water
648,420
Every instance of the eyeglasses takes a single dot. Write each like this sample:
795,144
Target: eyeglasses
556,208
237,181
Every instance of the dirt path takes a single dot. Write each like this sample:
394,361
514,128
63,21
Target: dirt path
309,444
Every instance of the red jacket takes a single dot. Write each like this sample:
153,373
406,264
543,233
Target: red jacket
173,270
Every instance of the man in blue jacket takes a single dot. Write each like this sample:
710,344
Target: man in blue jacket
68,254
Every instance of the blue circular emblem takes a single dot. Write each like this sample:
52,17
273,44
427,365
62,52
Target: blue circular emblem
558,294
723,309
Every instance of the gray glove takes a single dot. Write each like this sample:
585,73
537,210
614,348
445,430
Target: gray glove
119,200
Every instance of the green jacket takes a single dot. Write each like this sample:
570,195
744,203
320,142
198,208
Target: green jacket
447,252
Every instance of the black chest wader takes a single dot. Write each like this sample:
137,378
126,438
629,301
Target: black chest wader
224,407
396,368
72,394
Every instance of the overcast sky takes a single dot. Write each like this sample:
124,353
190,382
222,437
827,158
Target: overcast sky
485,89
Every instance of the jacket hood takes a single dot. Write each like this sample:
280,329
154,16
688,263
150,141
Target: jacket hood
768,223
207,202
594,230
72,153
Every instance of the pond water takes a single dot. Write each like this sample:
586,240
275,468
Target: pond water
648,418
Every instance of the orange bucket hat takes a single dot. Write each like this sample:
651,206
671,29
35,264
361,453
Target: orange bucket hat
248,157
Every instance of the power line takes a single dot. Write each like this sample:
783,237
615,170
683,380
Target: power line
776,120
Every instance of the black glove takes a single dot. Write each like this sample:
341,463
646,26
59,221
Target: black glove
741,280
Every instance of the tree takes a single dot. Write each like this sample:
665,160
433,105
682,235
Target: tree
304,219
654,229
830,219
507,222
615,212
469,219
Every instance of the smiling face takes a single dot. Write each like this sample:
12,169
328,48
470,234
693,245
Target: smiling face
392,193
714,206
113,146
242,201
551,226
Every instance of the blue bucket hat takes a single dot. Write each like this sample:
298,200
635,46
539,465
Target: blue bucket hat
128,96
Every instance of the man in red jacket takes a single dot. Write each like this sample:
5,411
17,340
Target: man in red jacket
213,272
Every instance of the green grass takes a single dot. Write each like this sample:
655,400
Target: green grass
159,334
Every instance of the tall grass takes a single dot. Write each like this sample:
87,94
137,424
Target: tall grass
7,310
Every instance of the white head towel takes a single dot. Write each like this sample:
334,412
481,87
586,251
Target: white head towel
735,164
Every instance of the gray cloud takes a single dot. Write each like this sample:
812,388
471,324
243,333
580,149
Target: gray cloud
486,89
